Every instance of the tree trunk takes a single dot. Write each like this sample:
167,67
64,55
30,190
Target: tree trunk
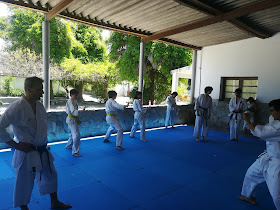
80,87
151,88
51,90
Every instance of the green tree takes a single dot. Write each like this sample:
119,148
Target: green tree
159,60
81,46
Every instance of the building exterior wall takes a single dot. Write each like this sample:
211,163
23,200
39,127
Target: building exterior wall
94,122
246,58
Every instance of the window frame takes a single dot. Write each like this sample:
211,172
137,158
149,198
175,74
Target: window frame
223,85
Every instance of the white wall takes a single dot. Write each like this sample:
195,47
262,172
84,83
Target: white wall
246,58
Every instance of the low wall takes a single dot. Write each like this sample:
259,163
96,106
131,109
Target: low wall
94,122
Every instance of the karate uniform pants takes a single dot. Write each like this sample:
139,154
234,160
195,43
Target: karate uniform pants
139,121
25,181
234,128
74,140
200,122
262,170
114,124
170,116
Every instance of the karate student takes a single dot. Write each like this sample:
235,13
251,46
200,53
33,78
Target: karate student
237,105
203,109
73,123
171,109
251,109
139,117
32,159
112,119
267,166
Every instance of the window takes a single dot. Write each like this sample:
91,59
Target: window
230,84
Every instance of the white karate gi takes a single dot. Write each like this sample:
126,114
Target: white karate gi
74,135
204,105
251,113
31,128
111,108
267,166
236,118
170,111
139,118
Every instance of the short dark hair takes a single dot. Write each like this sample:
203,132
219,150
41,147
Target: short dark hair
207,89
275,103
74,92
174,93
112,93
137,94
238,90
250,99
29,82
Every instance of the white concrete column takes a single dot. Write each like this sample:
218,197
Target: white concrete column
141,67
193,76
46,62
175,81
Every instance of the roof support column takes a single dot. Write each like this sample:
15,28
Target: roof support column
175,81
46,62
141,67
193,76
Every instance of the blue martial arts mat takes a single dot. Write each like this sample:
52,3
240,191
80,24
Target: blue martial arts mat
172,171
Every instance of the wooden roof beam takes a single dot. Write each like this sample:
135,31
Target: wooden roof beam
216,19
58,8
210,10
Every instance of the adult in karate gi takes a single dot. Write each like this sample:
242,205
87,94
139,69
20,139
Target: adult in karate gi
203,109
237,106
32,159
267,167
171,109
139,116
112,119
72,109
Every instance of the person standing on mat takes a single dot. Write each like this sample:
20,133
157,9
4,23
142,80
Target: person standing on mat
139,117
73,123
237,105
171,109
32,158
203,109
267,167
112,119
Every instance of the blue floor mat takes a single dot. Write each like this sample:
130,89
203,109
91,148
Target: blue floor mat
171,171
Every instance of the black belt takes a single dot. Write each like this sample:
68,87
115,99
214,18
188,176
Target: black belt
41,150
205,114
235,115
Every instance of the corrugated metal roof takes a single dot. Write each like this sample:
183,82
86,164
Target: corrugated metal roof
148,17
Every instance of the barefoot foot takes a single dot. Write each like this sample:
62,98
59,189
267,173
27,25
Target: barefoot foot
60,205
120,148
144,140
197,139
204,139
77,155
250,200
106,140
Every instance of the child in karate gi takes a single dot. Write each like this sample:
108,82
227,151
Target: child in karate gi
73,123
171,109
203,109
237,106
267,167
139,117
112,119
251,109
32,159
